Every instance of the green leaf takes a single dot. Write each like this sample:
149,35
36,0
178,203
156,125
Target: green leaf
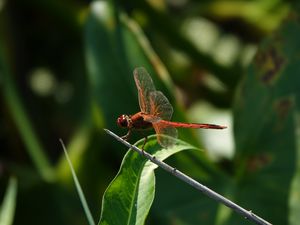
128,198
265,113
7,210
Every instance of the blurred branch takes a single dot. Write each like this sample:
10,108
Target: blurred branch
248,214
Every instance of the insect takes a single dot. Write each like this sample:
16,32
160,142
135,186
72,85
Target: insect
156,112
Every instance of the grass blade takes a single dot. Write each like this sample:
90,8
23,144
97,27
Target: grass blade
78,187
8,206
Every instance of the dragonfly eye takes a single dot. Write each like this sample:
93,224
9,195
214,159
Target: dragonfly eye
122,121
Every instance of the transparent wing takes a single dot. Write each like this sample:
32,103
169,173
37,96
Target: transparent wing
166,135
145,86
160,106
161,109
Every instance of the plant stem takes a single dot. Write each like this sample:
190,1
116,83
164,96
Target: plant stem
248,214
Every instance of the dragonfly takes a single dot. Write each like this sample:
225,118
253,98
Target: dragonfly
156,112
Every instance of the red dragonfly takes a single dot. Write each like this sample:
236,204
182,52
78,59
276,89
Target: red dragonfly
156,112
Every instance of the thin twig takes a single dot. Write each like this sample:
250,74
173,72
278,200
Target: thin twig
248,214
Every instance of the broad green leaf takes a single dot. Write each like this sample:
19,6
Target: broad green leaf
128,198
265,116
7,209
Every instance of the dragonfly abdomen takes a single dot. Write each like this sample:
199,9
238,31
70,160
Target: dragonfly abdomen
191,125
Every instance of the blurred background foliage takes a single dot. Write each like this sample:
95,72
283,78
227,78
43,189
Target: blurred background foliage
66,72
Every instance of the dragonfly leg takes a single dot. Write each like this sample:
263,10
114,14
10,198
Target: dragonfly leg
126,136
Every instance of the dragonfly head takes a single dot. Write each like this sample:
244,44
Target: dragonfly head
124,121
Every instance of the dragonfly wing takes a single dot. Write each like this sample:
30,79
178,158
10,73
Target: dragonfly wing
145,86
151,118
160,106
166,135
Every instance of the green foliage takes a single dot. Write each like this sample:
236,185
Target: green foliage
66,72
